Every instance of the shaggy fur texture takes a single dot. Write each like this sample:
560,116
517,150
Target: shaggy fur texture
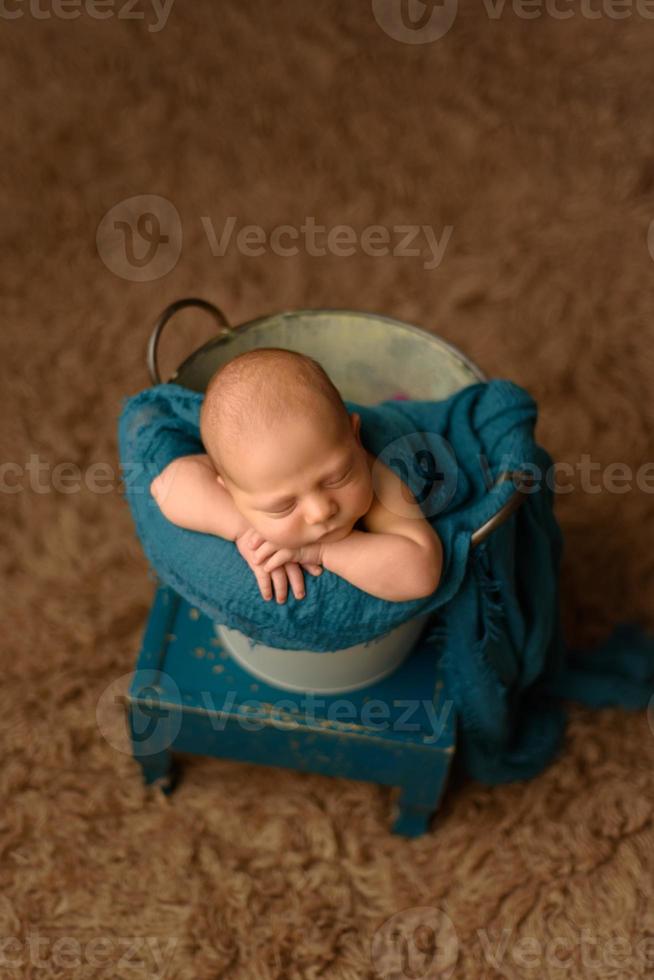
533,139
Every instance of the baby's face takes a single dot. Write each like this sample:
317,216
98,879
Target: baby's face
304,483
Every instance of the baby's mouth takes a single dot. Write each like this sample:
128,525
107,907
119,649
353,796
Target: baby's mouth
334,530
325,534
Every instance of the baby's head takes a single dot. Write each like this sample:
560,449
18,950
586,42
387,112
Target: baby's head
284,445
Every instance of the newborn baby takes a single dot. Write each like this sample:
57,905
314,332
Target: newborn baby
287,478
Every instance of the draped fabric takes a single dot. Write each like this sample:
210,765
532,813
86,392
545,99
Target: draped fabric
495,620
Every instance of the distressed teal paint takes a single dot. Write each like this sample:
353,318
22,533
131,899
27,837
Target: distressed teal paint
203,702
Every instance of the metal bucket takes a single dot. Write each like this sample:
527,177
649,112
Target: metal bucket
370,359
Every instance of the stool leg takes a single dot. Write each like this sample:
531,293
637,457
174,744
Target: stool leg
416,804
156,761
412,819
160,770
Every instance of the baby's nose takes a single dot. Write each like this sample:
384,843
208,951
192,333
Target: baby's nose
318,510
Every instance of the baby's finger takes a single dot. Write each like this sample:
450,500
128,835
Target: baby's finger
264,582
280,583
263,551
296,578
278,559
314,569
255,539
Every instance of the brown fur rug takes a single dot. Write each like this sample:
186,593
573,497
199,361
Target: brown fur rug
533,140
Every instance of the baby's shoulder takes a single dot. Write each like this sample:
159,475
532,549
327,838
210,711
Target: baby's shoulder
392,496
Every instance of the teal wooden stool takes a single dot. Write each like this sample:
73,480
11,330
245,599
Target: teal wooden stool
188,694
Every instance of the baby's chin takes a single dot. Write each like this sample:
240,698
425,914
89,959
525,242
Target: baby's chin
336,535
339,533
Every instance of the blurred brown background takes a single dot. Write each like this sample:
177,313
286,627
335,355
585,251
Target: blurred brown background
533,140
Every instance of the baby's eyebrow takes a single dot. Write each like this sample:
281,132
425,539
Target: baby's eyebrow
336,471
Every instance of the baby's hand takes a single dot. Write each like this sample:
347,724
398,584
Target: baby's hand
270,556
280,577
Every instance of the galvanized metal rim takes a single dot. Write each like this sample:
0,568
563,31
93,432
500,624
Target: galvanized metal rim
363,314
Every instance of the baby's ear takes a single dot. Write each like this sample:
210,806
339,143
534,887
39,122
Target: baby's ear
355,421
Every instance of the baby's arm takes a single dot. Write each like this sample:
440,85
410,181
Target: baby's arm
402,563
395,566
189,495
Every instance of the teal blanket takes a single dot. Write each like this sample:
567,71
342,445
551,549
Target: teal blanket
495,616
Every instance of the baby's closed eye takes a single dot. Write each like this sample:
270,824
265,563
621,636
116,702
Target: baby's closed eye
332,485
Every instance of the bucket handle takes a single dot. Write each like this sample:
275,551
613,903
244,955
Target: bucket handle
180,304
476,537
526,480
